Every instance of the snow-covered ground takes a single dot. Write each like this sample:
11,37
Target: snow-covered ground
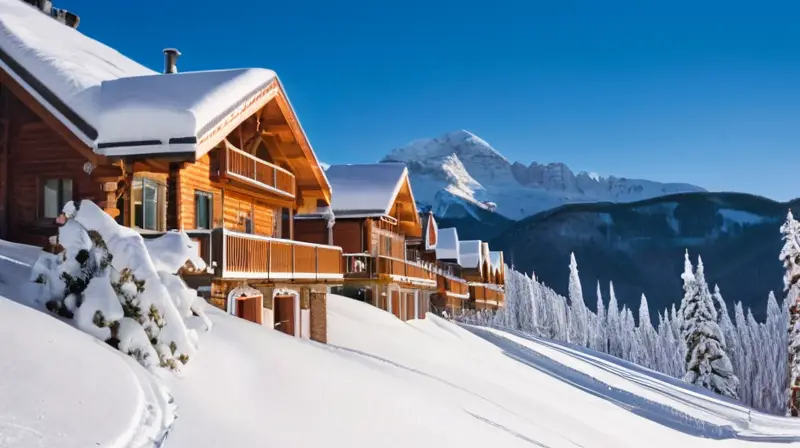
379,382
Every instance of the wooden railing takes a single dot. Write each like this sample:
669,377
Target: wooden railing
486,292
404,268
247,168
244,255
449,284
365,266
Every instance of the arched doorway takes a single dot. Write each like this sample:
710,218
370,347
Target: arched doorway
246,303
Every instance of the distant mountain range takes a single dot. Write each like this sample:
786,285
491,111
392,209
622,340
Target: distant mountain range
459,174
640,246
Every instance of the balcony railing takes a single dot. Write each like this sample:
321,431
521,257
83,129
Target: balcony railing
487,292
249,169
247,256
364,266
453,286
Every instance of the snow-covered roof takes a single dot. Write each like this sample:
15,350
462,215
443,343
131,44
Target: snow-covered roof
447,247
172,113
365,190
115,105
471,253
496,259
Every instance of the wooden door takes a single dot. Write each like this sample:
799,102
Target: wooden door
396,303
423,305
283,310
410,306
249,308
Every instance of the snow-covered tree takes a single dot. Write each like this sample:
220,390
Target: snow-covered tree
614,324
601,338
707,363
790,256
647,336
118,288
578,325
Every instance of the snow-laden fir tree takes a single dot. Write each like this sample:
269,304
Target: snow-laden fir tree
578,325
707,363
790,256
647,336
729,332
601,338
614,324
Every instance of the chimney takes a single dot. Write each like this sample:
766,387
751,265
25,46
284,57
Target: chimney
170,60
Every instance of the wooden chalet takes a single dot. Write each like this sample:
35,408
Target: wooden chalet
377,224
453,291
484,272
219,154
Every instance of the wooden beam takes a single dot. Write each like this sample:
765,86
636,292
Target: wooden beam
29,101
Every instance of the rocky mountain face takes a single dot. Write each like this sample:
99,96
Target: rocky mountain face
460,173
640,247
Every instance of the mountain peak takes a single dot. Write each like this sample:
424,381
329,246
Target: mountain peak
460,167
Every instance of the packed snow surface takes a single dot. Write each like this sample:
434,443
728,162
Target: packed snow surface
379,382
460,170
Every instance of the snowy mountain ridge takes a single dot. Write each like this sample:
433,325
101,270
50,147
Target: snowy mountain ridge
459,172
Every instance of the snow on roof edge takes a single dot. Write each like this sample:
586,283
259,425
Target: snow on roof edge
80,134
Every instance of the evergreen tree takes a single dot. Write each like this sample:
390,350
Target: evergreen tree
731,336
601,340
790,256
613,324
578,325
745,362
707,363
647,336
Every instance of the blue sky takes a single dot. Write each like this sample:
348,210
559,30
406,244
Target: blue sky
700,92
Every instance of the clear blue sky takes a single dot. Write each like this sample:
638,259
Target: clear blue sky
700,92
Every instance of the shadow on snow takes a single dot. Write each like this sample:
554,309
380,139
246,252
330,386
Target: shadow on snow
655,412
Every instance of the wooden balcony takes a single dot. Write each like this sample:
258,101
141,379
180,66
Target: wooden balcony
247,256
452,286
367,267
485,292
243,167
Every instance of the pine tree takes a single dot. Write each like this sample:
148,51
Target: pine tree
745,368
707,363
614,324
578,325
601,340
647,336
790,256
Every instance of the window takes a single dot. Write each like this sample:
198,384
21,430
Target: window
203,209
149,198
248,224
55,194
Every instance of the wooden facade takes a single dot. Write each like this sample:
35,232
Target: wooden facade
238,199
379,262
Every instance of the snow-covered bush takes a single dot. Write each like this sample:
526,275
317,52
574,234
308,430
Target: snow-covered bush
121,289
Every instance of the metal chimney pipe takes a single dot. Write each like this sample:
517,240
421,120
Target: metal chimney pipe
170,60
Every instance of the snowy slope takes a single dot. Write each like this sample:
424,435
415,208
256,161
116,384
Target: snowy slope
380,382
459,168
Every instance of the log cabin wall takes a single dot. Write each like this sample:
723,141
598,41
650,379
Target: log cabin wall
36,154
230,208
196,177
311,231
349,234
